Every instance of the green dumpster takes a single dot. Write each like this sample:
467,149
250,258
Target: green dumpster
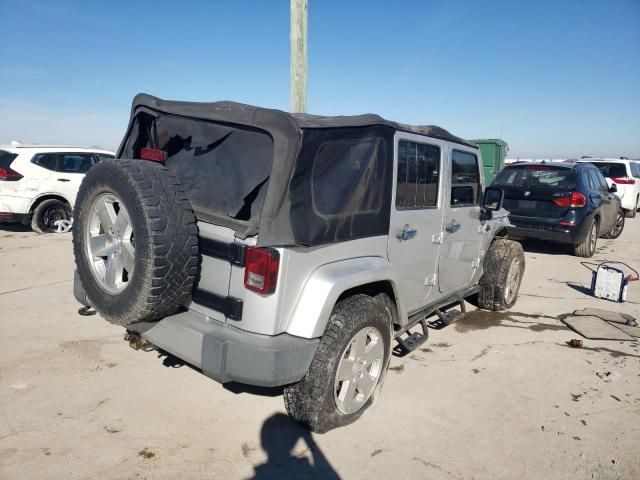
493,151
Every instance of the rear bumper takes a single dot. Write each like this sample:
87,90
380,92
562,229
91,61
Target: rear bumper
228,354
14,209
550,230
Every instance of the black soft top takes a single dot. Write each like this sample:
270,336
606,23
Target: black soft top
270,180
271,119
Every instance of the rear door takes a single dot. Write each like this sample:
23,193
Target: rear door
530,190
608,204
415,231
462,233
70,171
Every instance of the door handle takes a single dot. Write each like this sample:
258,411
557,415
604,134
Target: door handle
407,233
64,180
452,226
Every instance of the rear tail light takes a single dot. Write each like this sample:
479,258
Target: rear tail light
624,181
574,200
153,154
8,175
261,269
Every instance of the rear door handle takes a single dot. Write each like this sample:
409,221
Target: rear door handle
64,180
452,226
407,233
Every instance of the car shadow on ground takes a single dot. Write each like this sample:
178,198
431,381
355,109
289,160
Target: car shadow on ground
279,436
534,245
14,227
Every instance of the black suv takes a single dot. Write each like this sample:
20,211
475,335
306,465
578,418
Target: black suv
562,202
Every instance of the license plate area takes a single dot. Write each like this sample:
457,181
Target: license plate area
527,204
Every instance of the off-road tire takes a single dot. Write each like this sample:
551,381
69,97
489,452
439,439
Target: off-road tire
166,261
310,401
38,223
494,293
617,228
586,249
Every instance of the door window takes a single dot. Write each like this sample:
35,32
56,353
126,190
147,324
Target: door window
598,181
418,175
46,160
465,179
75,163
635,169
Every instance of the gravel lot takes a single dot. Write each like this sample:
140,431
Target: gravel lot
494,396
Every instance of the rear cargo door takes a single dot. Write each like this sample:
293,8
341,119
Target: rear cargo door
219,253
529,191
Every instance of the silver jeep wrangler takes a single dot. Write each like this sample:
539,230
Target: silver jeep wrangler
290,250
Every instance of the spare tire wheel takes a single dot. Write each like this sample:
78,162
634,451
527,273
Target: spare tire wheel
135,241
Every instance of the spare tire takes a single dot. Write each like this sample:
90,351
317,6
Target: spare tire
135,241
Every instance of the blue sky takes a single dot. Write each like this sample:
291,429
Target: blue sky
553,78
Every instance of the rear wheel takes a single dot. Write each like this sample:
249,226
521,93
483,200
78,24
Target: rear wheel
47,213
587,248
617,228
135,241
348,369
632,213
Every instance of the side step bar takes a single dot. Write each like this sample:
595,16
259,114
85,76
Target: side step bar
410,341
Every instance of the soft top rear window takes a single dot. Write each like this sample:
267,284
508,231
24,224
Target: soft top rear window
612,169
6,158
224,167
532,176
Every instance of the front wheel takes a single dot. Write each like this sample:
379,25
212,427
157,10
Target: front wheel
503,269
617,228
348,369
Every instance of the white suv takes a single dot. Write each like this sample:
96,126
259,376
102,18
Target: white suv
39,184
625,174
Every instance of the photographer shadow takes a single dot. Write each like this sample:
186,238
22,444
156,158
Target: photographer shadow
279,435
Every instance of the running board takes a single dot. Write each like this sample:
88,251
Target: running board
408,341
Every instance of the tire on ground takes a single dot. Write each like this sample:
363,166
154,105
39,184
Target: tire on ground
496,292
166,260
40,224
311,401
617,228
586,249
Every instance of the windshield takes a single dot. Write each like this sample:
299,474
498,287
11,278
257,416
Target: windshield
532,176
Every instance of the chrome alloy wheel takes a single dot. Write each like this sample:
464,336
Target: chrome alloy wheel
359,370
109,243
618,226
513,280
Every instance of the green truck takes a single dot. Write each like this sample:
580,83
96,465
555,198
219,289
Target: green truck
494,151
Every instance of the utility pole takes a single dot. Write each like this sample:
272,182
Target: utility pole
299,10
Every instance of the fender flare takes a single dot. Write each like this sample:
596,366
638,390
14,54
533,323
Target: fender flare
326,283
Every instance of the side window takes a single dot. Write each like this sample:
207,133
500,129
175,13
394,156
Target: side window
75,162
418,175
348,177
588,180
103,156
465,179
635,169
46,160
598,180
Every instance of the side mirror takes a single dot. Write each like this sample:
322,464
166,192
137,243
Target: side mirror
492,202
613,188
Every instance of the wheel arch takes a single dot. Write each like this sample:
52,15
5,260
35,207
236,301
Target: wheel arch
49,196
330,283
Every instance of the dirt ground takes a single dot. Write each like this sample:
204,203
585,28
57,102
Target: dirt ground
494,396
